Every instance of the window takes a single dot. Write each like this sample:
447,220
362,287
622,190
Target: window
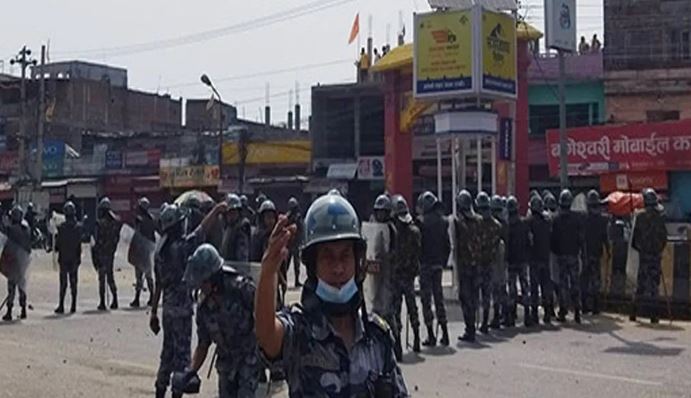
546,117
661,116
685,48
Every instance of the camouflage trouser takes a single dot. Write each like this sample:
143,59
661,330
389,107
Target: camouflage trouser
105,273
541,285
649,270
569,284
590,280
175,354
485,286
430,286
499,296
12,288
518,274
404,288
469,286
240,383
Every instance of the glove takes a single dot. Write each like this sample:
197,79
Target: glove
187,382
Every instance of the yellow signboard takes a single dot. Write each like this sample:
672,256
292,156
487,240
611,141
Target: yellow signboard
498,53
270,152
443,54
189,176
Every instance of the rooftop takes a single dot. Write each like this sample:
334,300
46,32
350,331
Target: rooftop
579,67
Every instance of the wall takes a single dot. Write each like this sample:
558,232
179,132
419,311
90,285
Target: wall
591,93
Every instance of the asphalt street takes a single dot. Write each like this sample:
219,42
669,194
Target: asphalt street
113,354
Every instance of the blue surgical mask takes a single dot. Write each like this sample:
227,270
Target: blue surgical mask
330,294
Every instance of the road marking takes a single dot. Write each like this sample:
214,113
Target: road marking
591,374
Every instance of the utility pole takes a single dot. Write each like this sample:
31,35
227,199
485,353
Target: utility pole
24,60
41,120
563,149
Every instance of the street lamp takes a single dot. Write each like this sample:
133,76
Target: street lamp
205,79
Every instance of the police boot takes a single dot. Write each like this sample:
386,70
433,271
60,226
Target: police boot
547,319
416,339
397,349
444,335
8,314
73,308
114,303
484,328
431,339
135,302
577,316
177,395
527,317
632,315
60,309
160,392
535,315
102,303
562,316
22,315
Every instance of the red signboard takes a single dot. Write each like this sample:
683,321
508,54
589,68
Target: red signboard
9,162
634,181
629,147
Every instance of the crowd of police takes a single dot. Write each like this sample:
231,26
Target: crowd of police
329,344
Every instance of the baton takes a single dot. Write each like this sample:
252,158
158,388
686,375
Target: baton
3,303
407,340
213,362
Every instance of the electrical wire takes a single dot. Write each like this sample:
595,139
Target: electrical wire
285,15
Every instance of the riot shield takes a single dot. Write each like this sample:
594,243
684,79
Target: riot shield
14,261
377,285
134,248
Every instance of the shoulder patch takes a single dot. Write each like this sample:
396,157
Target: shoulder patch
379,322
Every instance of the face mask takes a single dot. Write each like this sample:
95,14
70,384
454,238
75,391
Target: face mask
333,295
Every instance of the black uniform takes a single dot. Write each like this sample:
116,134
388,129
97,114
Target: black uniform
69,247
567,244
518,249
540,226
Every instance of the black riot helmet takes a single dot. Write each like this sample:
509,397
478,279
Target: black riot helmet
17,214
536,204
650,199
565,199
551,202
512,205
464,201
428,202
69,209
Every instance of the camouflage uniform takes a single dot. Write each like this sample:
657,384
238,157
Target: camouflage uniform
567,241
107,236
317,364
650,239
468,249
406,268
596,240
170,264
518,248
228,321
490,238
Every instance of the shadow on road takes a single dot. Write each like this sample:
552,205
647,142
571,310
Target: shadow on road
95,312
641,348
477,345
412,358
439,351
661,327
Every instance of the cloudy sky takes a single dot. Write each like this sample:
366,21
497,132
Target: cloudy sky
242,45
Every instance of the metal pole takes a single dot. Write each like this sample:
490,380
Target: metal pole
440,188
479,164
454,175
563,150
22,113
493,157
41,120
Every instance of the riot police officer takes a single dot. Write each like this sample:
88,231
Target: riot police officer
406,267
490,239
328,344
499,294
267,216
567,245
650,239
518,248
144,224
107,236
436,247
17,253
468,250
540,226
69,248
235,244
383,301
596,243
295,213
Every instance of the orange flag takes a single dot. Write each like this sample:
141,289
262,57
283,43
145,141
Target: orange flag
355,30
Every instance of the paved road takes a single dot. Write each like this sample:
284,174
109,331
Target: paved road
94,354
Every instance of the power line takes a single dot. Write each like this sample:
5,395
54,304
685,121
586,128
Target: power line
290,14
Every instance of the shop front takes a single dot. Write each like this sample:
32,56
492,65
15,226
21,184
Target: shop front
631,157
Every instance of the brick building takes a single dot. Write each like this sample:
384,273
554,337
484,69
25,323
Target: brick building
647,60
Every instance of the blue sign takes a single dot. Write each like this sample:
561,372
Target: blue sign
113,160
53,157
505,138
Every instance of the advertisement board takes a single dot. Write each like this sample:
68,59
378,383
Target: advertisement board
270,152
443,62
626,147
560,24
498,54
370,168
53,157
189,176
